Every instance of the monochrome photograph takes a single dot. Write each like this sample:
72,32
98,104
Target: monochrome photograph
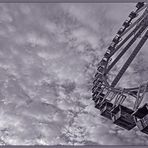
74,74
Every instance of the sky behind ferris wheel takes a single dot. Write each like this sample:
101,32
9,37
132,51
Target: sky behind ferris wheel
48,54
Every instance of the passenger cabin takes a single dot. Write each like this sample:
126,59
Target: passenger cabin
142,111
117,39
100,69
139,5
120,31
107,54
97,80
98,75
106,108
132,14
142,124
96,84
103,105
94,95
142,118
122,116
103,62
97,88
98,100
111,48
97,95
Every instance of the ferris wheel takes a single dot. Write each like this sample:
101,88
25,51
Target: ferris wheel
107,96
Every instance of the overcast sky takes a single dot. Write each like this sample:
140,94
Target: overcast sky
48,54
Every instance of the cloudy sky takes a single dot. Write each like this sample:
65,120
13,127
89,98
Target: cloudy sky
48,54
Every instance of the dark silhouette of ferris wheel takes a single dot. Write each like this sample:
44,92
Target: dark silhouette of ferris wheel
107,96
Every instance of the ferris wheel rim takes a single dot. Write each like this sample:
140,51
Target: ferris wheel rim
130,91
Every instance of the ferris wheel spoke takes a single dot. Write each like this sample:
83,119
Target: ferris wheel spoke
132,56
125,49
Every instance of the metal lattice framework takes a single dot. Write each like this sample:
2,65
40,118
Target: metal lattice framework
110,99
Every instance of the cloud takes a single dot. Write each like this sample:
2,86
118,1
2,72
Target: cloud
47,60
